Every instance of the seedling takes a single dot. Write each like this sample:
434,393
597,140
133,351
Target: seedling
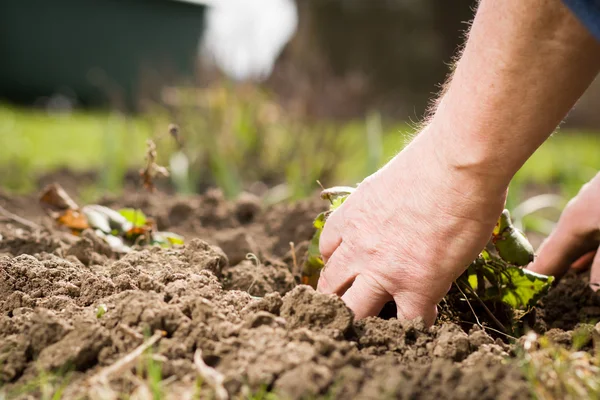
314,262
101,310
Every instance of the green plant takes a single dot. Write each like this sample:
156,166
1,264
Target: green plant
497,275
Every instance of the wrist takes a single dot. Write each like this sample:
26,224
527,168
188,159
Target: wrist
468,152
475,167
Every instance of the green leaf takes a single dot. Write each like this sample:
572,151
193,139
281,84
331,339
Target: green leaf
314,262
135,216
523,288
517,287
319,222
101,310
338,201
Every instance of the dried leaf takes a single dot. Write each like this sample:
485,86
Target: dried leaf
73,219
152,169
55,200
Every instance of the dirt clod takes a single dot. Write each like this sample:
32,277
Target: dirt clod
303,307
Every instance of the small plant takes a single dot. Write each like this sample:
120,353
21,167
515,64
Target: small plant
101,310
497,275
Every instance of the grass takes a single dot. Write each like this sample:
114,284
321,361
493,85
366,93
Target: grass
33,141
235,136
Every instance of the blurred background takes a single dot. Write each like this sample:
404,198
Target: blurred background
269,96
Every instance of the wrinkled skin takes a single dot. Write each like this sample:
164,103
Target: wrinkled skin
385,241
410,229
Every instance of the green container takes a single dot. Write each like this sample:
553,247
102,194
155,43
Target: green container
108,53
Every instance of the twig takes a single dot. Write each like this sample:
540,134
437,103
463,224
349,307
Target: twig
213,377
470,306
491,329
19,220
487,310
127,361
294,260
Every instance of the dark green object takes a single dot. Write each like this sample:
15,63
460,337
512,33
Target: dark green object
511,243
109,53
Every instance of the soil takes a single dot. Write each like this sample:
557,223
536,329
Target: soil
72,308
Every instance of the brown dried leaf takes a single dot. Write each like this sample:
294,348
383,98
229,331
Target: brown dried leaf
73,219
152,169
55,199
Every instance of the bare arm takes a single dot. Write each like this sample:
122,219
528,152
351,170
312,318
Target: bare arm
411,228
524,66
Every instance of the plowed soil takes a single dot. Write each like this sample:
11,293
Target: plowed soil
250,318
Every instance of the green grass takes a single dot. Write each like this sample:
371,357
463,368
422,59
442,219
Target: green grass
236,136
33,141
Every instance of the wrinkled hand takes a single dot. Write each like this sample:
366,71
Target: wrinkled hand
576,238
408,232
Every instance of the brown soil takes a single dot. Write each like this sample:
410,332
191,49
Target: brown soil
249,317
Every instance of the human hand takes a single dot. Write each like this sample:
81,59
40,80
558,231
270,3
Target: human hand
576,238
408,231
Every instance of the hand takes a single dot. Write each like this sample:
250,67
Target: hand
408,232
576,237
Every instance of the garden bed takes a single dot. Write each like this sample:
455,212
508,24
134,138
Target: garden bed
72,310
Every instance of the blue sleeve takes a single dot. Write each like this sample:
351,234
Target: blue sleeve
588,12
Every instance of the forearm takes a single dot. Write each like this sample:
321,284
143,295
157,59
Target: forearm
524,65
